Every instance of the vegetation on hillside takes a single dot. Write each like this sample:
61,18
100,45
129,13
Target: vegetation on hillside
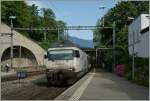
119,14
103,37
32,17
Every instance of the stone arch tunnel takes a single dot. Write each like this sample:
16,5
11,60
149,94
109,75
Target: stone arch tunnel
25,52
21,57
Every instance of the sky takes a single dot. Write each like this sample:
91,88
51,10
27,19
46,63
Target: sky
77,13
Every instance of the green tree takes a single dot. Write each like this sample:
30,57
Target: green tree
28,16
119,14
61,25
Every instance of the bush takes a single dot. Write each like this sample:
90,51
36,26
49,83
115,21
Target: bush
108,61
142,76
120,69
141,71
129,75
140,62
141,67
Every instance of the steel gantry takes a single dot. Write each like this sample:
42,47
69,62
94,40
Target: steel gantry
62,28
66,28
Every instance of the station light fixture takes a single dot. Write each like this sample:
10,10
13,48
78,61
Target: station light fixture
12,17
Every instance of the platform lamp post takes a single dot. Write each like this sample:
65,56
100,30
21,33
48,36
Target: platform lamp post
11,50
133,62
114,45
102,7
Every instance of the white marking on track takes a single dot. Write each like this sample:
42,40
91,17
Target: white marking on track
78,93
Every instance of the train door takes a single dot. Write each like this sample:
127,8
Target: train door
77,59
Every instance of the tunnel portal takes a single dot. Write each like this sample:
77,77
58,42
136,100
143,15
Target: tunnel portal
22,57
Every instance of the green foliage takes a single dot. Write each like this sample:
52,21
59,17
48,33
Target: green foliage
61,25
48,13
140,62
141,71
119,14
129,75
142,75
108,60
103,37
28,16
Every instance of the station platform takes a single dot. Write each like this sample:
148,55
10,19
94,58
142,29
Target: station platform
12,74
101,85
3,74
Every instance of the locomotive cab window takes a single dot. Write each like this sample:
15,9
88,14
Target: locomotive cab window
77,53
60,55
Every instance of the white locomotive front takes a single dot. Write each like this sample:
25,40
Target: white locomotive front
64,65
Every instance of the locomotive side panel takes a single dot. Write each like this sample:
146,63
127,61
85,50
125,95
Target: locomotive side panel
65,65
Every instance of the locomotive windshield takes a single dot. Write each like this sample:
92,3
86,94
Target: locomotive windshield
60,55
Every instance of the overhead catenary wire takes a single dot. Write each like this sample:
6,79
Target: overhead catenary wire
65,28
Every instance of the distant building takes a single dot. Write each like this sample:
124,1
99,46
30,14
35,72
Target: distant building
139,28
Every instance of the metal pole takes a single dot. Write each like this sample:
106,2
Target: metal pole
103,21
58,34
67,35
44,35
20,52
96,61
114,43
65,32
11,50
20,56
103,12
103,17
133,59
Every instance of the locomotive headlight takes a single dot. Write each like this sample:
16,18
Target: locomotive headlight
71,69
49,70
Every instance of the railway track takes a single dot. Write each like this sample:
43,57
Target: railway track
33,88
14,76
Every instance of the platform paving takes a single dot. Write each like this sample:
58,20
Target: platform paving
7,73
101,85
